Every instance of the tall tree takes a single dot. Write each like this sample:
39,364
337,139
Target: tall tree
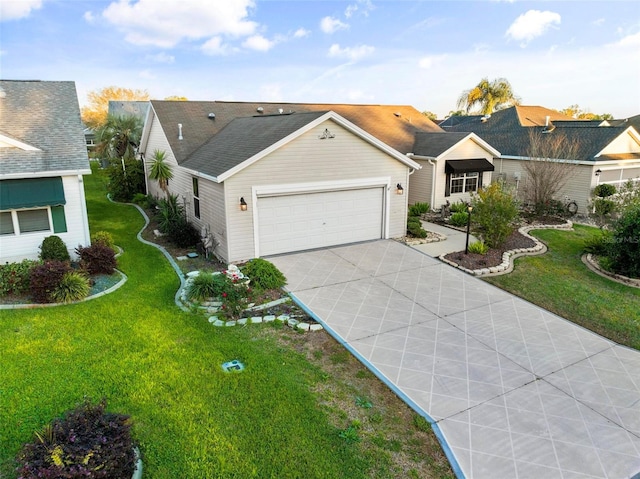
95,114
118,137
176,98
488,96
575,111
161,170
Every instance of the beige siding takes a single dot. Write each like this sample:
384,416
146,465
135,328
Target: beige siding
15,248
623,144
421,184
308,159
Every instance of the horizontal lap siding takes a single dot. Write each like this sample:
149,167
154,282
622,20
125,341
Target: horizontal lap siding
308,159
420,184
15,248
211,193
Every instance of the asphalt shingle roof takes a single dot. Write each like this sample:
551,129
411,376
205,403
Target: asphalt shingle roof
435,143
45,115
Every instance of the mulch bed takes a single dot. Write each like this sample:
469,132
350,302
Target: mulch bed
474,261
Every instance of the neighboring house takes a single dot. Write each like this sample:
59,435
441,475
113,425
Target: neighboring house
43,157
128,108
454,165
89,138
273,178
606,151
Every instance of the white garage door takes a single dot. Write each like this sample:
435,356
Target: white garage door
313,220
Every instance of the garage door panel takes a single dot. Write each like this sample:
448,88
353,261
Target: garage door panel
314,220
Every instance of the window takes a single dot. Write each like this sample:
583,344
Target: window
33,220
196,198
6,223
464,182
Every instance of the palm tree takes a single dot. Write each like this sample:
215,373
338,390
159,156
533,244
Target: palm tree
489,96
119,137
161,170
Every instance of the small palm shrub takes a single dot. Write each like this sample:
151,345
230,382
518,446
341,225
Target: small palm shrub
73,286
206,286
87,442
97,258
418,209
103,237
478,247
459,218
458,207
53,248
44,278
14,277
264,274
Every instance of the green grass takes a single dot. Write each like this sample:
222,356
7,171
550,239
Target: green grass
162,366
560,282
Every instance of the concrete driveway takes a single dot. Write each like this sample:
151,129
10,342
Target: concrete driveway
512,390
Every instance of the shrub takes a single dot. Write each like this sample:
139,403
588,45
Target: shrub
205,286
478,247
183,234
604,190
458,207
125,182
87,442
418,209
598,243
97,258
414,227
53,248
103,237
624,248
73,286
44,279
459,218
264,274
14,277
495,211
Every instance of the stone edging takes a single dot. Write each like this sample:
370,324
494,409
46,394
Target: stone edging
590,261
284,318
508,256
435,238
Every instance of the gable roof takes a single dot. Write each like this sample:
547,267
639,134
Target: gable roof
40,130
394,125
245,140
509,131
436,144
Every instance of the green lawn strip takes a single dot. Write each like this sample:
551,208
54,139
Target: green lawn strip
162,366
560,282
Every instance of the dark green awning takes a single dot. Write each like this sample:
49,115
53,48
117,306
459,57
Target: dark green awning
31,193
468,166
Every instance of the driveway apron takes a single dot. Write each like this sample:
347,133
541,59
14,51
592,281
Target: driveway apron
512,390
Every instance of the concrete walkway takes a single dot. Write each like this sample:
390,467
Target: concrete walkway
512,390
456,240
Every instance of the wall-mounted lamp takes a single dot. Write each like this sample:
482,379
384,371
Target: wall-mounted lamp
399,189
598,171
243,204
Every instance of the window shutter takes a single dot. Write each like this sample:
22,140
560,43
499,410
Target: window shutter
59,219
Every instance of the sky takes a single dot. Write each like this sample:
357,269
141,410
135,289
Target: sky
419,53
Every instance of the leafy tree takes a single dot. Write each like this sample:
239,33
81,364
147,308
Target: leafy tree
176,98
624,248
95,114
549,166
495,210
161,170
488,96
457,113
431,115
119,137
126,179
574,111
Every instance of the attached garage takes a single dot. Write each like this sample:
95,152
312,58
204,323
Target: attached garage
300,221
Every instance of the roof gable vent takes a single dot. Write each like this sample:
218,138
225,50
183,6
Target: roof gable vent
212,116
485,118
259,109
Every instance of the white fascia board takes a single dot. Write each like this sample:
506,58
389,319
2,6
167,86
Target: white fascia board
146,129
199,174
562,160
422,157
331,115
13,143
476,139
319,186
44,174
630,130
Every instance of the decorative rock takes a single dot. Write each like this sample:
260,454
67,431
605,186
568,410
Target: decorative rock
282,317
292,322
213,319
303,326
219,323
192,274
256,319
230,323
243,321
268,319
316,327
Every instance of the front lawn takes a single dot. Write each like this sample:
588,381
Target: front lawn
560,282
136,348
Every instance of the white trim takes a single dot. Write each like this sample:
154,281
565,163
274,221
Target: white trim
331,115
43,174
631,130
318,187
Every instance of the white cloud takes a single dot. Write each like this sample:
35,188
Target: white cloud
598,22
14,10
161,57
362,6
259,43
89,17
532,24
430,61
301,33
331,25
214,46
629,41
164,24
353,54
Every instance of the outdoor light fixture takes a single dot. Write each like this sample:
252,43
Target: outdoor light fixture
243,204
598,171
469,209
399,189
